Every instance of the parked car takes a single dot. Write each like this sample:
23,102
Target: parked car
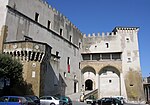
65,100
49,100
36,99
109,101
30,101
13,100
120,98
90,100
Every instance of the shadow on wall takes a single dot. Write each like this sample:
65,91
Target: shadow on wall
52,83
62,85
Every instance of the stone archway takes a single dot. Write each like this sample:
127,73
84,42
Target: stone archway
109,82
89,84
88,78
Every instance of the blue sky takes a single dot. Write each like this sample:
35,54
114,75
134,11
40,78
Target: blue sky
93,16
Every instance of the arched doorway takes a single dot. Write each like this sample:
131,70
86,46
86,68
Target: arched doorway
88,84
88,78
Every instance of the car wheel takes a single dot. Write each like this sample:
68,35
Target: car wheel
52,104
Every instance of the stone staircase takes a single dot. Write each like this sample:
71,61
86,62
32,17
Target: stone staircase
76,96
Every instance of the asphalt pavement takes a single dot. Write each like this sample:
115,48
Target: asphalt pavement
83,103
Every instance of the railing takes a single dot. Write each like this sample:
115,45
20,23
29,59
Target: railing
93,92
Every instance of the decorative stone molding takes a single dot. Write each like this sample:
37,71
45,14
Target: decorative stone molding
26,50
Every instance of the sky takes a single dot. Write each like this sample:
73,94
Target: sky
93,16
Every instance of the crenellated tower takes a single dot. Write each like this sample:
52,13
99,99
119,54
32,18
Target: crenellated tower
112,60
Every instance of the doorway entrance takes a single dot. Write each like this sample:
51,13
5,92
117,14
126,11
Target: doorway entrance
88,84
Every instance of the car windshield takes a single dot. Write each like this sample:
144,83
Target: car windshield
56,98
34,97
29,99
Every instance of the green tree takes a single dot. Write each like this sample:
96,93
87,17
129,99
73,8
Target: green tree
10,69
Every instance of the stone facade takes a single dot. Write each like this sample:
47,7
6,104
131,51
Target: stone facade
58,59
113,59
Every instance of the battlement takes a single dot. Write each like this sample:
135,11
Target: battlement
126,29
99,35
58,13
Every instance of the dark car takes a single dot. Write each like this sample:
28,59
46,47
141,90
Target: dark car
30,101
34,98
65,100
13,100
109,101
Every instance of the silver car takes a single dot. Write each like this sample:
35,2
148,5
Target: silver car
49,100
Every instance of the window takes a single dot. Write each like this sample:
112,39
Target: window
57,53
14,99
79,65
70,38
68,64
61,32
49,24
105,56
95,56
127,39
116,56
79,45
110,81
86,57
129,60
65,74
131,85
36,17
49,98
107,45
75,77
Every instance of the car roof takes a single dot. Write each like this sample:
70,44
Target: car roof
47,96
12,96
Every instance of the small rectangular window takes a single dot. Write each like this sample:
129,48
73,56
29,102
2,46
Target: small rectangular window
131,85
61,32
129,60
49,24
79,45
70,39
128,40
65,74
107,45
57,53
68,60
79,65
68,64
110,81
36,17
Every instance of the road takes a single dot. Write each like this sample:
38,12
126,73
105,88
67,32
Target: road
83,103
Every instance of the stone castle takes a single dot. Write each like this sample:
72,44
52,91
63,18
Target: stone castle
59,59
